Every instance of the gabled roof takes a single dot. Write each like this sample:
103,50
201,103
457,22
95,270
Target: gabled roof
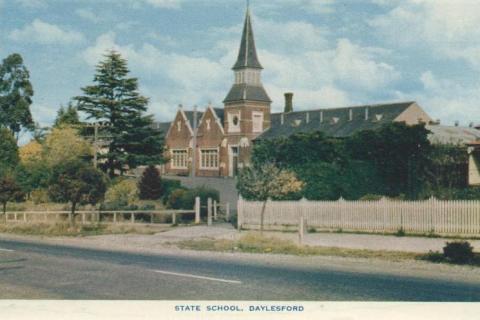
190,117
242,92
247,56
220,112
336,122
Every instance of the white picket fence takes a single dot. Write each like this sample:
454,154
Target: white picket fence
430,216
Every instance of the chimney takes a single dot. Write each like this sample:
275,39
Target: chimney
366,114
321,116
282,118
307,117
288,102
350,115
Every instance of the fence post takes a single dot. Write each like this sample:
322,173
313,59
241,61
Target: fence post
197,210
342,203
240,205
83,218
209,211
301,229
114,217
152,215
227,211
15,216
215,210
174,218
132,217
383,204
433,204
25,217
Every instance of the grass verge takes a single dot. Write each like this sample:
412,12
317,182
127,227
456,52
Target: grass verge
253,243
64,229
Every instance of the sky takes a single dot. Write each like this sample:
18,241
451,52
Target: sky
330,53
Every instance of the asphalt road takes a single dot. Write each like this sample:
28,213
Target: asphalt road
40,271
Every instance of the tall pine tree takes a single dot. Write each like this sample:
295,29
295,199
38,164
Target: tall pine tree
114,99
67,116
16,93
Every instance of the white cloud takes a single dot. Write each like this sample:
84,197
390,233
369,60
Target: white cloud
45,33
87,14
310,6
168,4
449,28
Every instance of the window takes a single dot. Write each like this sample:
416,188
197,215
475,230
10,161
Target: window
234,122
179,159
209,159
257,118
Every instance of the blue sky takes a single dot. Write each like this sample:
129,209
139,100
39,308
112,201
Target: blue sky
330,53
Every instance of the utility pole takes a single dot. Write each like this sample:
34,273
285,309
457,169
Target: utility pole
95,145
194,143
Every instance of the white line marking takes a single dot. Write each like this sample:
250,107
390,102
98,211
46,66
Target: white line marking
6,250
196,277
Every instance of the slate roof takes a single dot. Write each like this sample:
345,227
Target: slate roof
241,92
220,114
162,126
247,56
189,115
453,135
336,122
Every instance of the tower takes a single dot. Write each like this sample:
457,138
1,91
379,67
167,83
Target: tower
247,105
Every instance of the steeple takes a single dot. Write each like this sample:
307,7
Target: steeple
248,84
247,56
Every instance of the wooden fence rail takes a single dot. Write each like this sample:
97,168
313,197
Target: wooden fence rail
431,216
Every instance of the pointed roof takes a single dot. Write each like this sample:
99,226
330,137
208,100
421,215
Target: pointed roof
247,56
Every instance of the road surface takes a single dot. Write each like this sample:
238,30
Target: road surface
44,271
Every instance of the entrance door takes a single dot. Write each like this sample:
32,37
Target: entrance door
234,161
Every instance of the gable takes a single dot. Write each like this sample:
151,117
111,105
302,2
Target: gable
210,126
414,115
180,131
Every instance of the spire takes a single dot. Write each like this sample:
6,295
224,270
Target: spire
247,57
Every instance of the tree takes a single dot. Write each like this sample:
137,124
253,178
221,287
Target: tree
267,181
9,191
16,93
78,183
8,150
114,99
150,185
65,144
67,116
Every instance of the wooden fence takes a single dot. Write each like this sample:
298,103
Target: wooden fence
382,216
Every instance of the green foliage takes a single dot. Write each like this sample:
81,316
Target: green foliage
67,116
168,187
122,194
460,252
16,93
32,176
8,150
185,199
268,181
150,185
9,190
65,145
115,99
399,152
78,183
40,196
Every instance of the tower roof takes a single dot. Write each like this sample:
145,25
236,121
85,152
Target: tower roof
247,57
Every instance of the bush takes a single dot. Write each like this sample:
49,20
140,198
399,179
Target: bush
168,187
371,197
121,194
185,199
458,252
433,256
40,196
150,185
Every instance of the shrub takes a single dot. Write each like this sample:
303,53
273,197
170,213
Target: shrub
40,196
458,252
168,187
175,199
400,232
121,194
150,185
371,197
433,256
185,199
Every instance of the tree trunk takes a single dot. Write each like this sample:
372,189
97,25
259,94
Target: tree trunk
262,216
5,212
71,216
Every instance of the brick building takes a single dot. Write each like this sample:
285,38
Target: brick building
218,141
